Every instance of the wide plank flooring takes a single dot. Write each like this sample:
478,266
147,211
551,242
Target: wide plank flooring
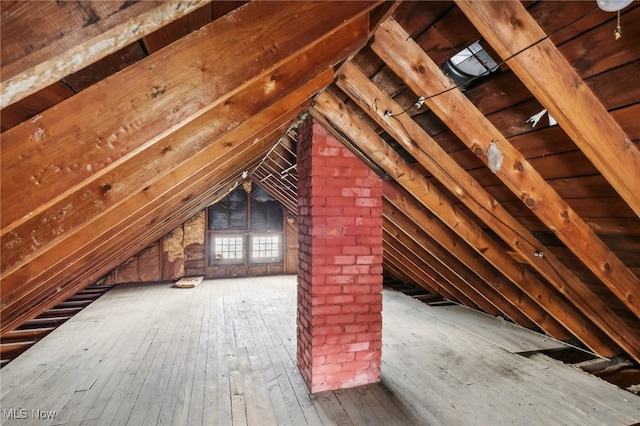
224,353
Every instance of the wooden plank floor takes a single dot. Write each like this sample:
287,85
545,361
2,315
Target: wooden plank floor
224,353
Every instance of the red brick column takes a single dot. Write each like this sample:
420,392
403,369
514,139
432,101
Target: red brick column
340,264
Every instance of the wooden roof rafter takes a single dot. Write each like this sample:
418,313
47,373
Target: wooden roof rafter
410,243
443,97
559,88
371,144
446,257
410,265
521,304
117,28
423,148
167,158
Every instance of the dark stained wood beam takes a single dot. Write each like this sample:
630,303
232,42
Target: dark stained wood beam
374,147
94,30
419,71
428,153
518,39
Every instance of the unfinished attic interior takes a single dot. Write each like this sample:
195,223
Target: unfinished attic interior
290,158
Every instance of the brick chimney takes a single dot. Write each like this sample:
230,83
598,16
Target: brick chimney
340,264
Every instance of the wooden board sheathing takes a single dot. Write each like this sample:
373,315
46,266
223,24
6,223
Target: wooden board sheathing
225,353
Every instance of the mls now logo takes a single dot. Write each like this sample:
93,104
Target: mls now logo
23,413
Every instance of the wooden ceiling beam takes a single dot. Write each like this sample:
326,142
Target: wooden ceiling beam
519,40
413,271
93,250
439,253
395,272
428,153
187,80
134,173
518,304
419,71
409,242
66,250
98,34
425,268
380,152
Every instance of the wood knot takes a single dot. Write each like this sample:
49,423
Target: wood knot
421,69
530,202
478,151
156,91
607,267
519,166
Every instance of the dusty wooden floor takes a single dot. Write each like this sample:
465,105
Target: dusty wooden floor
224,353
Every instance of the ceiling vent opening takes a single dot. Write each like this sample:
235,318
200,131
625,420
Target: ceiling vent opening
469,65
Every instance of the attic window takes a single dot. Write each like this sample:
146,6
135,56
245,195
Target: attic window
469,64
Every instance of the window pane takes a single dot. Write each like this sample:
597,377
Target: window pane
265,247
228,248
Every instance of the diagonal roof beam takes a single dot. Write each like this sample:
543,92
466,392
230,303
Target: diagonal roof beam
418,70
412,266
429,265
423,148
55,60
401,227
452,257
518,306
379,151
518,39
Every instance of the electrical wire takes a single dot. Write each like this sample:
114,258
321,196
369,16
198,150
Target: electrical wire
389,113
421,100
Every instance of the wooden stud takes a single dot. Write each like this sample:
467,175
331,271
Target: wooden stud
518,39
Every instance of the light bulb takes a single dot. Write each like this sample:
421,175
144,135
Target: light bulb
613,5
